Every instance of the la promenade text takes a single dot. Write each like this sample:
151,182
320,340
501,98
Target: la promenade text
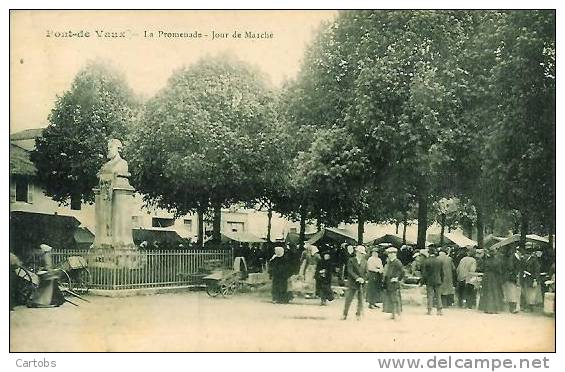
159,34
214,35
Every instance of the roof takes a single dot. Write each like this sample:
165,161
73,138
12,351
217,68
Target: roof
83,235
27,134
20,162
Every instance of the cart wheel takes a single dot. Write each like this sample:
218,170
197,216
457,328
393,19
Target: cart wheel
212,289
228,289
225,290
65,282
83,281
24,286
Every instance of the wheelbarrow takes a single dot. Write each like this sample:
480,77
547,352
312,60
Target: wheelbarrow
225,282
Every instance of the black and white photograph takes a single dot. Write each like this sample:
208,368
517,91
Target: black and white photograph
282,181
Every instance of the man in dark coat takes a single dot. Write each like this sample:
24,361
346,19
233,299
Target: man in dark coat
356,278
432,277
393,275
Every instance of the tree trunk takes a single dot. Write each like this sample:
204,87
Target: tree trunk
467,226
442,233
404,225
217,225
318,224
360,228
269,220
200,238
302,227
76,201
551,236
516,229
422,217
397,225
523,229
480,227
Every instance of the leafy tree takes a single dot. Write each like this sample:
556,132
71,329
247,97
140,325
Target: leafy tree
333,169
379,74
202,140
521,146
98,106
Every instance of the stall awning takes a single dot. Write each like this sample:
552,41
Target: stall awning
241,236
28,230
515,239
333,235
456,238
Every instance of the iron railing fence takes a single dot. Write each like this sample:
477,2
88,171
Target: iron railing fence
150,269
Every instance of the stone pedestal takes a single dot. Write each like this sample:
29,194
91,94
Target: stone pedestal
113,218
107,257
113,245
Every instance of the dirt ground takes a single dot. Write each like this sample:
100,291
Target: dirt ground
192,321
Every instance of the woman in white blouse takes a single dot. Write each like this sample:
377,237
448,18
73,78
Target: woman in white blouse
374,285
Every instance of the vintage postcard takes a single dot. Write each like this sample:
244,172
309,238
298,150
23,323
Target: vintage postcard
282,181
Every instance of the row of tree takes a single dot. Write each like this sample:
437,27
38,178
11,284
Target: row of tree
444,116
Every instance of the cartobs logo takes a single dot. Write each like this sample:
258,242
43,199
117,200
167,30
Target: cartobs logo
35,363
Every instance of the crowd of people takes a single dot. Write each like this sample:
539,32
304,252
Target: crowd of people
508,279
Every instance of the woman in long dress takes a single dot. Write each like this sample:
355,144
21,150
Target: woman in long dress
308,270
279,271
491,286
511,290
447,289
531,283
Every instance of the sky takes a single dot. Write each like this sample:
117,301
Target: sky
44,60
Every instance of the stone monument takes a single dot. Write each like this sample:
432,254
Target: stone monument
113,242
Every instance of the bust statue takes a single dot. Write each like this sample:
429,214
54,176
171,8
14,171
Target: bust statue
115,170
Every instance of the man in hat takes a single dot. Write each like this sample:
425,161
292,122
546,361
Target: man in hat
356,278
432,277
447,289
393,275
466,275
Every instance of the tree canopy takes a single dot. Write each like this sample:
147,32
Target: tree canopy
98,106
208,139
442,115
